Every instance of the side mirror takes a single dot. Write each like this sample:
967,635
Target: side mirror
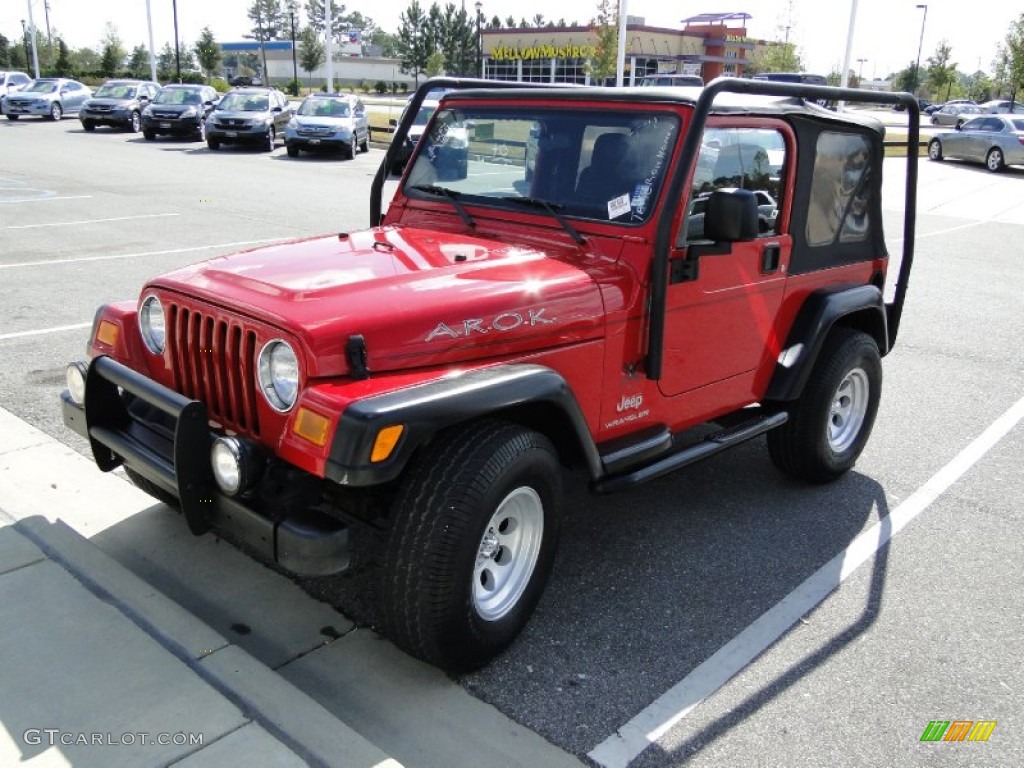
959,126
731,216
393,122
277,109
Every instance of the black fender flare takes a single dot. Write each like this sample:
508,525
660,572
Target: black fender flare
424,409
861,307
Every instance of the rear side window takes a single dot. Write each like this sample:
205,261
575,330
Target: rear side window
838,209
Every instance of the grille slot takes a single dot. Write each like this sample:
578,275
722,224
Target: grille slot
212,359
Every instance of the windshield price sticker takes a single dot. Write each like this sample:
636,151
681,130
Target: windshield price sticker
618,206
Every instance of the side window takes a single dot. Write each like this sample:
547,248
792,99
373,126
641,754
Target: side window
993,124
738,158
840,190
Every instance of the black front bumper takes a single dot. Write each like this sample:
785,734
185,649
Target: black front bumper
178,462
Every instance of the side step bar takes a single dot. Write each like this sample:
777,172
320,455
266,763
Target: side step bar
709,446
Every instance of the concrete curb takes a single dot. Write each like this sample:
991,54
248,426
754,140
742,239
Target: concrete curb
285,712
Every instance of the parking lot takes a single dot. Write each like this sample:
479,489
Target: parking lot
664,637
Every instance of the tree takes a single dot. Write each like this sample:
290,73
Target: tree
775,57
5,52
905,79
269,21
112,58
63,64
604,62
167,63
941,74
208,52
315,15
84,60
435,64
510,22
980,87
311,50
414,42
538,20
1012,59
138,62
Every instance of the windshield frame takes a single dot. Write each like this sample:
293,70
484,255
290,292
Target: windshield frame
652,133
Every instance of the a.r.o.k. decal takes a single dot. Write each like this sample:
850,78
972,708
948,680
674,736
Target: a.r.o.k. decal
506,321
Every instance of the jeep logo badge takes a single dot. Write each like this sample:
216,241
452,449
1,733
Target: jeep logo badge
506,321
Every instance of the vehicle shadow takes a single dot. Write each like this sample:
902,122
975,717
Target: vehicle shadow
651,583
1010,171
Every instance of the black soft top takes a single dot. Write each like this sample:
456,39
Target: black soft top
725,103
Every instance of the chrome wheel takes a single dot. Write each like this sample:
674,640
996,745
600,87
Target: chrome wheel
271,139
56,111
508,553
136,123
935,150
994,159
849,406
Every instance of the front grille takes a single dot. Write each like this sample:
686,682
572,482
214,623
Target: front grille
101,108
315,130
213,360
226,122
166,115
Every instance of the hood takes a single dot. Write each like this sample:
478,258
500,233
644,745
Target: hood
224,114
20,97
417,297
312,121
105,101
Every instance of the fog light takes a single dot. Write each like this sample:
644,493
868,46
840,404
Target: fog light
75,374
236,464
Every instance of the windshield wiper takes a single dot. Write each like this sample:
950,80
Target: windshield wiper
552,208
449,194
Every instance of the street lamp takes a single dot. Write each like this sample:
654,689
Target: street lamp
295,65
479,39
917,65
177,45
860,71
24,40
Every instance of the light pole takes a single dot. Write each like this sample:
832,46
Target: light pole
177,45
479,39
860,71
917,64
295,65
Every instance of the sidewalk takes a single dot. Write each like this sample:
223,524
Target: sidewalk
100,669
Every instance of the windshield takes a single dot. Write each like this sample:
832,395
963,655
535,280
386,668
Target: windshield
41,87
593,164
244,102
320,107
115,91
179,96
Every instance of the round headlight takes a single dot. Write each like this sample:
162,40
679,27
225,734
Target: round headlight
279,374
75,375
152,324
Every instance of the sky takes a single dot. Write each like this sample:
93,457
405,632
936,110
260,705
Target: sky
886,33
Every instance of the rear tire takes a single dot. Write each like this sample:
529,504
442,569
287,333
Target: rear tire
994,160
830,424
474,530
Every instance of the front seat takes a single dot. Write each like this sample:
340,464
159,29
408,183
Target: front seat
605,179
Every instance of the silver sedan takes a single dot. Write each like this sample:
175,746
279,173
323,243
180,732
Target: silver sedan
955,114
995,140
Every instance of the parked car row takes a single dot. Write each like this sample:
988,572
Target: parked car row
245,115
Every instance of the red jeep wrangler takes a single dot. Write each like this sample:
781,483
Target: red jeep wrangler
624,280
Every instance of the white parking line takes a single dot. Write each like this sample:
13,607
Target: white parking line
139,255
619,749
92,221
47,199
42,331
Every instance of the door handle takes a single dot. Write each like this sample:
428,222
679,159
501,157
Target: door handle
770,257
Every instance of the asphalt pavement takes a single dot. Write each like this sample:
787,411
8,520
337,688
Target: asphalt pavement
658,641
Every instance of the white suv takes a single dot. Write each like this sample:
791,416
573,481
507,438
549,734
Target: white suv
11,82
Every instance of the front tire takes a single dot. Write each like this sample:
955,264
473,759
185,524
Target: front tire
56,111
88,125
353,148
935,150
830,424
135,123
152,489
994,160
293,151
149,135
364,145
13,117
213,144
271,139
474,531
